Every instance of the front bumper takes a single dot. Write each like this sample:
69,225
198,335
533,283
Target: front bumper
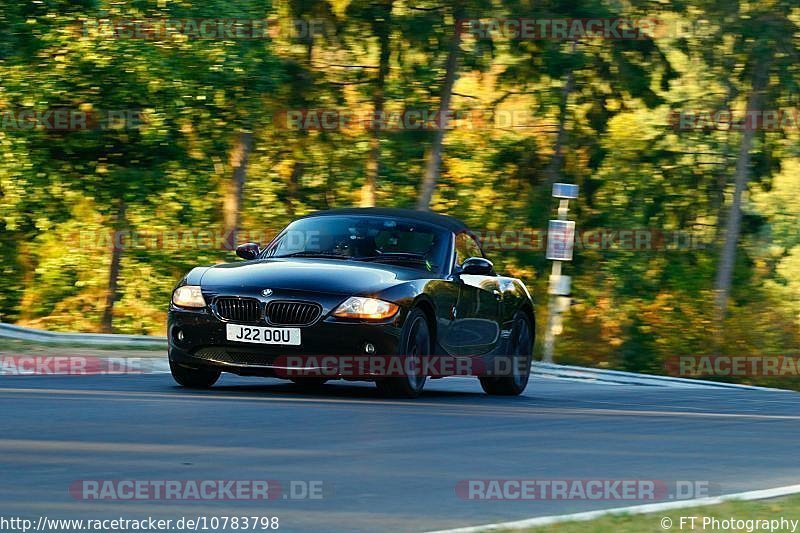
204,343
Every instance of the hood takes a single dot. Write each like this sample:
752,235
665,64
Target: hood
318,275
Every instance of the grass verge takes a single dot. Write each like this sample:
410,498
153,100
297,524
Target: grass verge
754,511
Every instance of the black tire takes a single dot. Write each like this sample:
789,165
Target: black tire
521,353
309,383
193,378
415,341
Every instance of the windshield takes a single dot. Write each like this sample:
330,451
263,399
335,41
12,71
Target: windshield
364,238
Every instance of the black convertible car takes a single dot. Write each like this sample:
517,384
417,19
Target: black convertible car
354,285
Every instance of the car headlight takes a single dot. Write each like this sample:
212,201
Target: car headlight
188,296
366,308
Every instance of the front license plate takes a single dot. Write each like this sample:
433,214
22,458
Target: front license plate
259,335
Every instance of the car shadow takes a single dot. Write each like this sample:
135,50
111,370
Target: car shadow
338,389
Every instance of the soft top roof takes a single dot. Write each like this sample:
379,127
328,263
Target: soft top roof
444,221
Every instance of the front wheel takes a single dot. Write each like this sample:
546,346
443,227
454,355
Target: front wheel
193,378
521,355
415,346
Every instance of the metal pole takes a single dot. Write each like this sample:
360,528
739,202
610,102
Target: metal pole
549,332
558,286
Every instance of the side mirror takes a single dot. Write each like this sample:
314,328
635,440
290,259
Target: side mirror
478,266
249,250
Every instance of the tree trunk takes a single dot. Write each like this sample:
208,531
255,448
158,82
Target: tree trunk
554,168
112,294
27,264
372,169
232,206
727,259
293,187
383,30
434,158
718,200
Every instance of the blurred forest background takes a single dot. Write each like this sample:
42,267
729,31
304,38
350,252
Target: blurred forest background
214,154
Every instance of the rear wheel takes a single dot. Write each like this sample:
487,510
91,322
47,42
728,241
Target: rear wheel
520,356
193,378
415,345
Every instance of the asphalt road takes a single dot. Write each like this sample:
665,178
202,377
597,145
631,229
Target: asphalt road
385,464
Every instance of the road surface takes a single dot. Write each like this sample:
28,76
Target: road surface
383,464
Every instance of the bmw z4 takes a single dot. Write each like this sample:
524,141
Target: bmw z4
368,284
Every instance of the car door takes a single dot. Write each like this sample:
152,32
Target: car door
476,328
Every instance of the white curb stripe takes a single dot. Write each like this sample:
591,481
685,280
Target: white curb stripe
634,509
